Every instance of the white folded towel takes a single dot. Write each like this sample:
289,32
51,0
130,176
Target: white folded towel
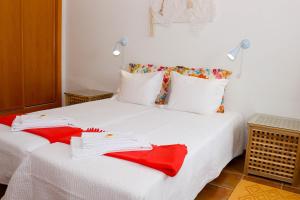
93,144
32,121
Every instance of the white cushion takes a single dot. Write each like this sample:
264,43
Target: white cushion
140,88
197,95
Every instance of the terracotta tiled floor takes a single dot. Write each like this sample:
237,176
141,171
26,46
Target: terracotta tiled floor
222,187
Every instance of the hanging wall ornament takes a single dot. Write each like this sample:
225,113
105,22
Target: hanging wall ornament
166,12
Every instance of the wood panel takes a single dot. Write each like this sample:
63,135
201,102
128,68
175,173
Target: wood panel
11,82
273,149
39,52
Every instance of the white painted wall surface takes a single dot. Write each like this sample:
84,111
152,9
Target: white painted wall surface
270,80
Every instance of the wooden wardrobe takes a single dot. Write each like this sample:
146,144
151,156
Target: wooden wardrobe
30,55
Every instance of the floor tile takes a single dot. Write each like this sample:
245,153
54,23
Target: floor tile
227,179
263,181
211,192
236,165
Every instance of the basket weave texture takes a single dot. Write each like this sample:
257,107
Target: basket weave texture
273,148
86,96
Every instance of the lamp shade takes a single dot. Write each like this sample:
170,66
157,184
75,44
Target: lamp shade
232,54
116,50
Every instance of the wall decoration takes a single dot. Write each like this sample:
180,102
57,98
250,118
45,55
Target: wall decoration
166,12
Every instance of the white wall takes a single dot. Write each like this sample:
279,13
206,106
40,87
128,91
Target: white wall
271,68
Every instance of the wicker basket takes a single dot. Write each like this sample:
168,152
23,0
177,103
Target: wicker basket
86,96
273,148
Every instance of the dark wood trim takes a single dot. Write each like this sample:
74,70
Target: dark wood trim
58,52
32,109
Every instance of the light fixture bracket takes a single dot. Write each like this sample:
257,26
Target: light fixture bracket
123,41
233,53
245,44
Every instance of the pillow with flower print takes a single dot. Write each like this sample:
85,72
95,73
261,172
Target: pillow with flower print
139,68
206,73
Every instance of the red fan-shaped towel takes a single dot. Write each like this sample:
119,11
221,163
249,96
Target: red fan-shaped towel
166,158
55,134
7,119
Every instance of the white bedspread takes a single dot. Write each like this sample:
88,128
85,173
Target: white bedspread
14,147
212,140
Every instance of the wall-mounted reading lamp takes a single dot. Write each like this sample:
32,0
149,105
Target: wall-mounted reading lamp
122,42
244,44
233,54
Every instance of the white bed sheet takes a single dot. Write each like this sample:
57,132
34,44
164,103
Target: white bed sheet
212,141
14,147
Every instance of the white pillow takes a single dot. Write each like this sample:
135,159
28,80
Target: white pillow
140,88
195,95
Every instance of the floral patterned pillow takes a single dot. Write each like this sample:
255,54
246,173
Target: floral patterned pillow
206,73
138,68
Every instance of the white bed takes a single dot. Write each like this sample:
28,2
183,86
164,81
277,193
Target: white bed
14,147
212,141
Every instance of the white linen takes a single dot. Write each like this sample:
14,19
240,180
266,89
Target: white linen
195,95
112,140
14,147
140,88
96,144
32,121
212,141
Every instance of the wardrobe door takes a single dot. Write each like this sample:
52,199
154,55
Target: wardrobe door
10,56
39,51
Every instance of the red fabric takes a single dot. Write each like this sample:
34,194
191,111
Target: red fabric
166,158
57,134
7,120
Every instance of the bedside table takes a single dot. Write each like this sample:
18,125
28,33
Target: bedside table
82,96
273,148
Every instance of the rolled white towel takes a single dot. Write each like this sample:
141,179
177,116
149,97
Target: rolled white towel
40,121
95,144
78,153
107,139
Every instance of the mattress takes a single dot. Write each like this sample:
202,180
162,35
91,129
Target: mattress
14,147
212,141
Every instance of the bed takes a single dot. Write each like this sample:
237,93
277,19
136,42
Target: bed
14,147
212,141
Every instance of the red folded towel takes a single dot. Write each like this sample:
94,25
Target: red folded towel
166,158
56,134
7,120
